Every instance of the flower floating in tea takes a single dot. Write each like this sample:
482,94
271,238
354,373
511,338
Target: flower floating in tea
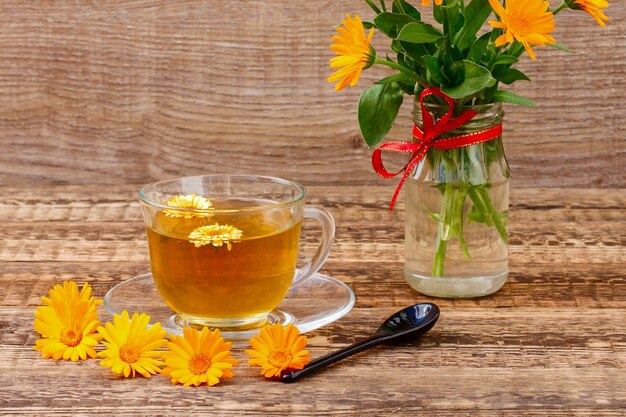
354,50
68,323
277,348
527,21
198,357
216,235
592,8
190,201
131,346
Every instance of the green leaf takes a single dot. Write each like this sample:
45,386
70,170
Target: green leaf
418,32
457,25
477,78
451,4
436,217
391,23
408,9
453,72
478,48
510,75
561,47
432,63
509,97
415,51
506,59
455,18
438,14
368,25
491,53
478,216
475,15
378,108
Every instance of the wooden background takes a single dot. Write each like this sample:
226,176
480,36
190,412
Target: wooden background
109,92
99,97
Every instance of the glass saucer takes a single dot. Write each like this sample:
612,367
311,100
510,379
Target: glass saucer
317,301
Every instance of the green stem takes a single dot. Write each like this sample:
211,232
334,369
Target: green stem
442,233
399,6
446,20
450,224
373,6
440,257
482,201
382,4
516,49
495,57
560,7
400,68
495,216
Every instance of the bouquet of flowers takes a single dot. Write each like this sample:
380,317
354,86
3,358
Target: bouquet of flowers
453,68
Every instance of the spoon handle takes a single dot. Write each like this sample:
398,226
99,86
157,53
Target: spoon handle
333,357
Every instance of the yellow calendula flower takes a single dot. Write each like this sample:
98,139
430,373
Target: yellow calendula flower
591,7
216,235
131,346
277,348
426,3
354,50
527,21
198,358
192,201
67,323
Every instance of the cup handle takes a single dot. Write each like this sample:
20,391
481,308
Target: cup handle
326,241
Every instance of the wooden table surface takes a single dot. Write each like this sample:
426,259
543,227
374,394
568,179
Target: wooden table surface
552,342
97,97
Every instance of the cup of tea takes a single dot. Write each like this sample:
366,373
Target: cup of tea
223,248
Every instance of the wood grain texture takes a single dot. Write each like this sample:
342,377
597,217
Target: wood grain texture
552,342
132,91
97,98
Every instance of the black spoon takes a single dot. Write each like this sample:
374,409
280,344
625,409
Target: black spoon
405,325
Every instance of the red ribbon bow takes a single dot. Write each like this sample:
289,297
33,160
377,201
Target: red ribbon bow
428,137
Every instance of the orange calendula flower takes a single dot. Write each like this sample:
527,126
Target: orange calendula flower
198,358
426,3
527,21
67,323
591,7
216,235
131,346
192,201
277,348
354,50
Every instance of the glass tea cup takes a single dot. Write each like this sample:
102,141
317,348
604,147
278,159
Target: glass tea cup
223,248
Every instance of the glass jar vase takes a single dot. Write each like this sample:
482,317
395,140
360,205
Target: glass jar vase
457,212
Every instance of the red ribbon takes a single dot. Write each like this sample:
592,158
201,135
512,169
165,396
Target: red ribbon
427,138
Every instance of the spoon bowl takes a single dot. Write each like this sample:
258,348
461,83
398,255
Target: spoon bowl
409,322
404,325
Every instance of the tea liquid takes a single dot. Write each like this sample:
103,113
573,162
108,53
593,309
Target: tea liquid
211,283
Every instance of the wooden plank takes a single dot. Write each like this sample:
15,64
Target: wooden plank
576,366
100,250
530,285
510,331
455,389
339,195
148,411
538,233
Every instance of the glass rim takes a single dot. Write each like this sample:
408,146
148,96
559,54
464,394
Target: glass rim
294,184
477,107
